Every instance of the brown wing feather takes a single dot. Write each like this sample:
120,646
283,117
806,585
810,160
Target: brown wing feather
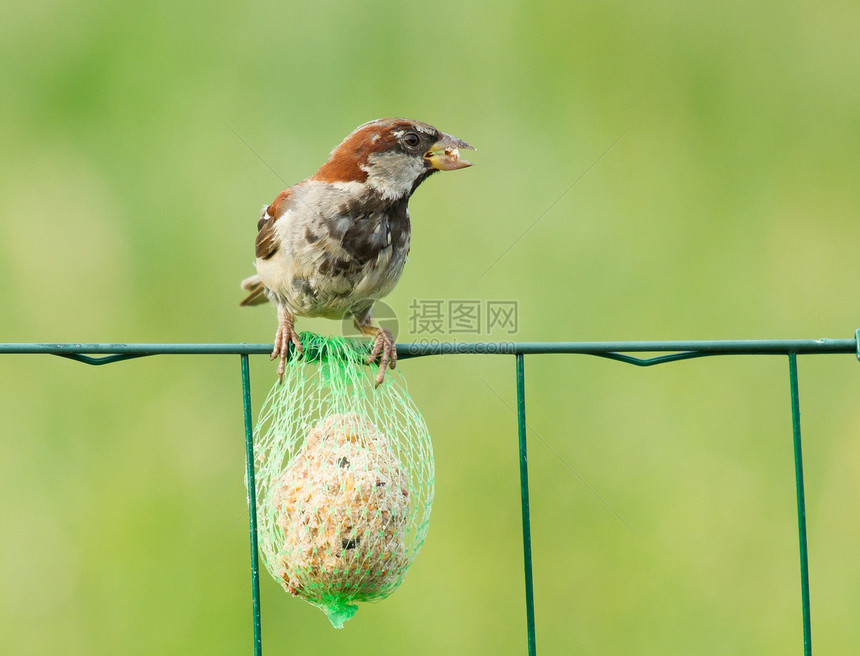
266,243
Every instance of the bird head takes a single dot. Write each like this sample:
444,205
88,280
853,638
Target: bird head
392,156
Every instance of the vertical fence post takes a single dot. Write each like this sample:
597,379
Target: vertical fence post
801,505
252,505
524,492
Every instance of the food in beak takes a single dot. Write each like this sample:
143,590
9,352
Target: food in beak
445,154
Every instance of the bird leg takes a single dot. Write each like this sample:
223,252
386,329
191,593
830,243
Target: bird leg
286,334
383,347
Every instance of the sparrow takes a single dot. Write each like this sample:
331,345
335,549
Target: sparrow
332,244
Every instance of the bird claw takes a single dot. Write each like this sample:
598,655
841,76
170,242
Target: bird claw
384,349
285,335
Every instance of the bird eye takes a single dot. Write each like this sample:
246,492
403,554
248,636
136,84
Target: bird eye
411,139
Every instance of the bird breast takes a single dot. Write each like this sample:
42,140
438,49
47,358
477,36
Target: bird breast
336,253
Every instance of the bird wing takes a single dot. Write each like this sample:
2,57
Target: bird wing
325,248
266,243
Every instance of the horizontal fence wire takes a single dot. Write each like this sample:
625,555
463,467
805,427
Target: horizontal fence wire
672,351
106,353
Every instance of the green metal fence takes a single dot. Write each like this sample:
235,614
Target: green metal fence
670,351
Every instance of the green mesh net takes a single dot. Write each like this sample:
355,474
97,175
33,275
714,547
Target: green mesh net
344,478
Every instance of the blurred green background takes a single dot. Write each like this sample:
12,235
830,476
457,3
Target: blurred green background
139,141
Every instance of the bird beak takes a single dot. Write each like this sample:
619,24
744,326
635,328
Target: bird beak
444,155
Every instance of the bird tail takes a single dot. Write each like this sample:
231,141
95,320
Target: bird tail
257,291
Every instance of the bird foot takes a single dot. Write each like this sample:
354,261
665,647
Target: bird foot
285,335
384,349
